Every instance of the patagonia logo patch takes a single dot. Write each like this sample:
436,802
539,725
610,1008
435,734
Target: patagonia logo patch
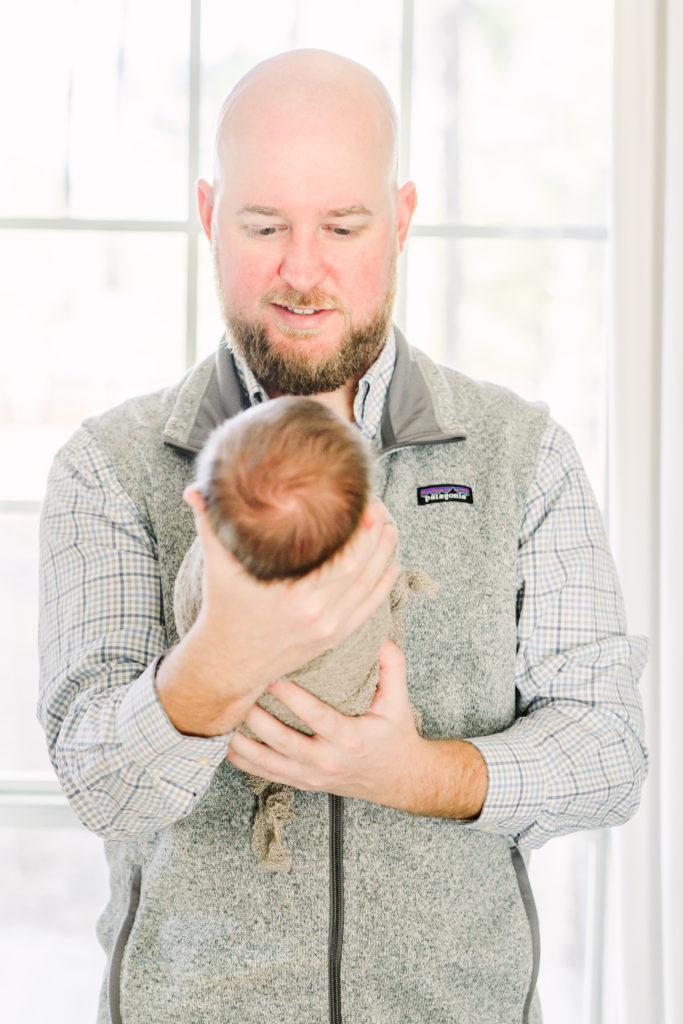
433,493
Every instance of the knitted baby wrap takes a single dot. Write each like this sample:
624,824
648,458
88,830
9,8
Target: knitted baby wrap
345,677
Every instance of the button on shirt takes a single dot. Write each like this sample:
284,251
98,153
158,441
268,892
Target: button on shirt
566,763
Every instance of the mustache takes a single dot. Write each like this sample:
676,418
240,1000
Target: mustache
315,299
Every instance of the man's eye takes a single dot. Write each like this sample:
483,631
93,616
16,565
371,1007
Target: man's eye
344,232
262,230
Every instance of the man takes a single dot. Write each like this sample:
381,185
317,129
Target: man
409,900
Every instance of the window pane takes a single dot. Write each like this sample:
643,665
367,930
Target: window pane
22,742
109,321
511,111
236,36
210,326
54,888
101,129
525,314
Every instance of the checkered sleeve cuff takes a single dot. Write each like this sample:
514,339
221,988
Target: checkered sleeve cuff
517,789
150,739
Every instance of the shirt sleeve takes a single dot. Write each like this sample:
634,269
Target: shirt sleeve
575,756
123,766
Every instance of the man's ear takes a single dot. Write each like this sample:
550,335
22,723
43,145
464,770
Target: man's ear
405,208
205,205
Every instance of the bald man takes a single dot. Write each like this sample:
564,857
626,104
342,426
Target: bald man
409,900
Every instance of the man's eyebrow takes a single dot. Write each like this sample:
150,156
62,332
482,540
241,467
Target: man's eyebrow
349,211
271,211
265,211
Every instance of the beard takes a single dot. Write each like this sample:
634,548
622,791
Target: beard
291,373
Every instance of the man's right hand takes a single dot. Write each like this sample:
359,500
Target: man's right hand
249,633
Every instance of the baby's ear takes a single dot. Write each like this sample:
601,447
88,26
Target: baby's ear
194,498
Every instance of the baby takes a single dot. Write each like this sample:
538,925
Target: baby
285,485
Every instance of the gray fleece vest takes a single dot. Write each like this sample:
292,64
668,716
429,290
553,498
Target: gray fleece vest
386,917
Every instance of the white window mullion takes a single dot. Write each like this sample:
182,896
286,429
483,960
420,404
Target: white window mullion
193,229
407,57
30,799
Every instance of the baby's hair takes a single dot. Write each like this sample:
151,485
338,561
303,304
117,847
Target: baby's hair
285,485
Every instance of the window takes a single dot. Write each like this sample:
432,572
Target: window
108,291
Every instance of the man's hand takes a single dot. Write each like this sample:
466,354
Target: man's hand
378,756
276,627
249,633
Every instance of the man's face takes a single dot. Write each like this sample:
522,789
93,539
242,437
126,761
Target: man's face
305,231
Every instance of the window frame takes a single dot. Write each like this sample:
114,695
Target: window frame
30,799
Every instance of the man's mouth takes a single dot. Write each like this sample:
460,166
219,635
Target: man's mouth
315,316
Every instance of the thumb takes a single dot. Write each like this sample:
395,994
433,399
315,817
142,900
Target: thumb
392,685
194,498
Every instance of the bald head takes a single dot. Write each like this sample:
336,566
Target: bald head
306,220
310,91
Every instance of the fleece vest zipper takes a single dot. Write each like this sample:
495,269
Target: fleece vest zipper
336,934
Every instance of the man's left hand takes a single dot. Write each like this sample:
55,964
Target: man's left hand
378,756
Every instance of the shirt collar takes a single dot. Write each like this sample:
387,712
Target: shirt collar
249,383
370,397
369,402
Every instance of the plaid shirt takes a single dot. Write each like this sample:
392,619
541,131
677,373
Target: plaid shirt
568,762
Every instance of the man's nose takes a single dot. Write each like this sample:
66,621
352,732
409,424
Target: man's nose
303,265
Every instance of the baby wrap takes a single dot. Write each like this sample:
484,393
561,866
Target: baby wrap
345,677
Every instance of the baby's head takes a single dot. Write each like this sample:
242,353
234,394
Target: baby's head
285,485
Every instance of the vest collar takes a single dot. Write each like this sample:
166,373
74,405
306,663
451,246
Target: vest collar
419,407
420,404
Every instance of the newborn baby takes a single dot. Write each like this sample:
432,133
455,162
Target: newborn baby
285,485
